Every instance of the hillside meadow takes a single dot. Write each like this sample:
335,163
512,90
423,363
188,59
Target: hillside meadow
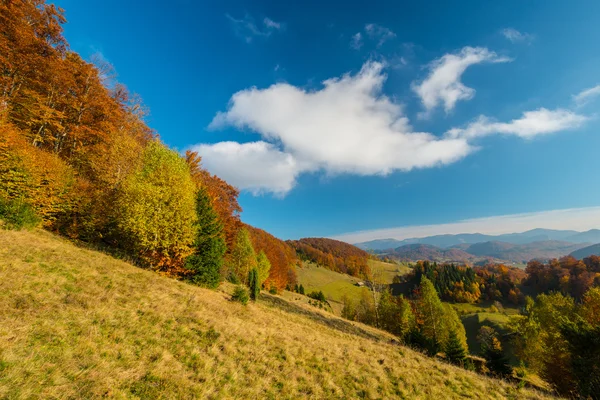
75,323
336,285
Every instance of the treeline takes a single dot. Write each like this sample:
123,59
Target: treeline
464,284
75,152
566,275
333,254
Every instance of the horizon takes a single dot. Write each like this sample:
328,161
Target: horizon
332,121
579,220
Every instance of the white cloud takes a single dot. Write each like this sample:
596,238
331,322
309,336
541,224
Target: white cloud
587,95
515,36
379,33
257,167
443,84
356,42
348,126
248,29
580,219
532,123
269,23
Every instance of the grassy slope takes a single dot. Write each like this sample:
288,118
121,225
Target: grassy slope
78,324
335,285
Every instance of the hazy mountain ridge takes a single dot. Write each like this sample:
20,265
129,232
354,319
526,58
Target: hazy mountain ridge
593,250
491,251
447,241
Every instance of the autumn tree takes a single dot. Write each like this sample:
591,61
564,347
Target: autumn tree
263,266
35,177
156,209
243,257
281,256
209,246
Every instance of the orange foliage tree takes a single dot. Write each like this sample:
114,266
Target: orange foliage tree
282,257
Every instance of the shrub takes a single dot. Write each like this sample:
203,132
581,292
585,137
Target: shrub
17,214
317,296
240,294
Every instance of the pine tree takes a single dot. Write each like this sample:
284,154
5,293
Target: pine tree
455,351
207,259
243,257
496,361
301,289
253,283
491,350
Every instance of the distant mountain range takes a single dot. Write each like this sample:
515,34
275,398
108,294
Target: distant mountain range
587,251
446,241
539,244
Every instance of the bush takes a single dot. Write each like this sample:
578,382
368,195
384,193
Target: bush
17,214
240,294
317,296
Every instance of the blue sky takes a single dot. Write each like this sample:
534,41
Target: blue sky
432,113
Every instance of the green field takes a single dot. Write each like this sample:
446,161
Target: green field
335,285
388,271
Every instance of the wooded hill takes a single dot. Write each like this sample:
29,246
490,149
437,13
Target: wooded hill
333,254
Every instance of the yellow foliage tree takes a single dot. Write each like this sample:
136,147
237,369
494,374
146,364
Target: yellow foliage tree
155,209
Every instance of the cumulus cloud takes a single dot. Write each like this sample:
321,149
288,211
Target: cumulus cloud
443,84
379,33
587,95
348,126
256,166
532,123
247,28
356,42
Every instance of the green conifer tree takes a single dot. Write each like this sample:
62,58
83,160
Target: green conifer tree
253,283
455,351
209,245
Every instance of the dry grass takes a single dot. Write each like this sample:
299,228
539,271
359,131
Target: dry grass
79,324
